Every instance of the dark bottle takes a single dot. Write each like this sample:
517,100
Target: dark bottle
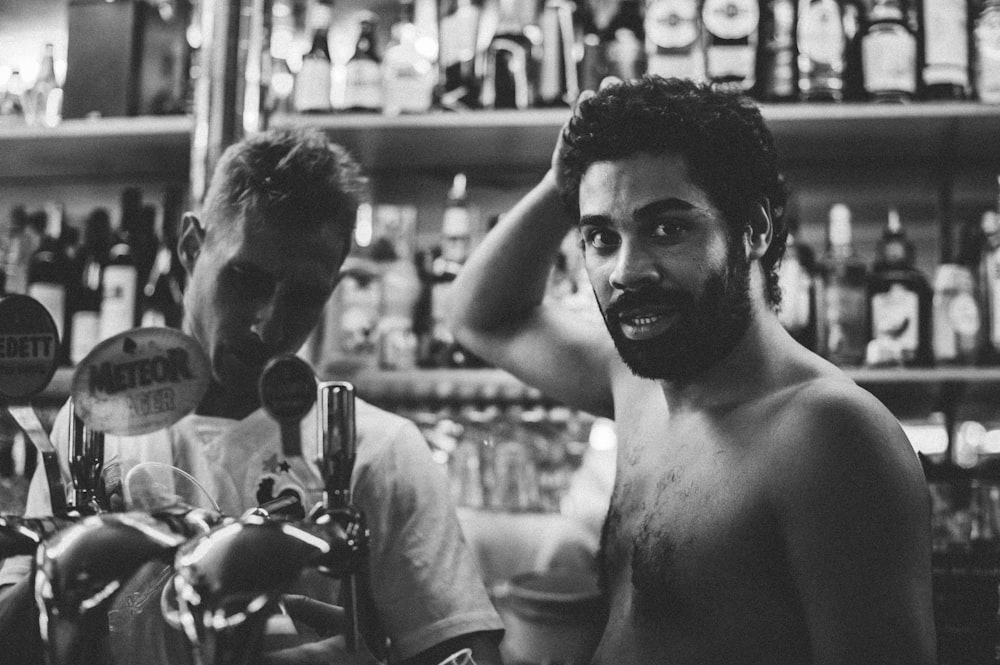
889,54
119,298
459,50
162,295
87,294
624,41
50,276
363,72
511,67
312,84
731,32
777,78
944,48
900,302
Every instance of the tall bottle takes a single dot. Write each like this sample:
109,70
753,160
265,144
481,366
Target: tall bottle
900,301
797,279
363,71
731,33
458,32
312,85
43,101
987,41
822,44
674,41
408,68
392,251
624,39
944,48
842,317
778,77
889,54
87,295
119,297
558,79
50,276
163,291
22,241
989,278
511,70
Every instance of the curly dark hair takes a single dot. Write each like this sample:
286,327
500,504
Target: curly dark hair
721,135
295,177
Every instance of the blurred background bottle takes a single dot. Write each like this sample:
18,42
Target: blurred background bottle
312,85
843,304
822,45
732,29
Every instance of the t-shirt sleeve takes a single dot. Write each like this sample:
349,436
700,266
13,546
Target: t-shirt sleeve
425,581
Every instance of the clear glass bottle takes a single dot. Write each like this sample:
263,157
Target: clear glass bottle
796,277
408,73
944,44
458,33
889,54
43,101
511,72
822,45
987,41
363,72
313,82
842,312
731,32
674,42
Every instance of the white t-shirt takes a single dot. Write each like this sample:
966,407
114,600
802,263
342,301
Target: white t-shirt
425,582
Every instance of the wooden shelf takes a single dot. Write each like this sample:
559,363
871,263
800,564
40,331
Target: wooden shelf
807,135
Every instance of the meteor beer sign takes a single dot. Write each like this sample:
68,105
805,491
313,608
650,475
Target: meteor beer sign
140,381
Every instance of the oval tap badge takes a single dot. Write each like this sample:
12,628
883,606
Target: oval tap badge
29,345
287,388
140,381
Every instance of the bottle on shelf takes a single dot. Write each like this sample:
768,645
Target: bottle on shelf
842,312
458,35
777,66
889,54
23,239
510,74
392,251
363,71
50,275
163,290
731,28
312,85
120,284
43,100
624,41
989,280
12,99
987,46
900,302
797,277
822,45
87,294
944,49
409,71
558,82
674,42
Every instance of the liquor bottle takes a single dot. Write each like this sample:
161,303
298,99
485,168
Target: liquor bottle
49,276
510,74
854,18
408,68
312,85
87,294
23,239
458,34
392,251
624,39
438,346
796,277
558,81
778,78
944,48
987,41
43,101
12,99
163,292
900,301
731,33
674,42
989,280
363,71
889,54
120,285
822,45
842,312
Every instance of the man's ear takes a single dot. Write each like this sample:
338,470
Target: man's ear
190,242
760,230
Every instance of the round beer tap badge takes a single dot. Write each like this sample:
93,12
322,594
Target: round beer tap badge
29,346
140,381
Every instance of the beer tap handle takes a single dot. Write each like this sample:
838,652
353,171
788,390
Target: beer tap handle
339,436
86,461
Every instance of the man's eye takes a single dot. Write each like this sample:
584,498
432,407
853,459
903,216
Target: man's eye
601,239
251,283
308,298
668,230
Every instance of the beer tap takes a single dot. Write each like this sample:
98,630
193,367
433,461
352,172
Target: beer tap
86,462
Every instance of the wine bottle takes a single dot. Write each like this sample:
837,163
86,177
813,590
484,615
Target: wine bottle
312,85
49,275
363,71
121,276
87,295
731,32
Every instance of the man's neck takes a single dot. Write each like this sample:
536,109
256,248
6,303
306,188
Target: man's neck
221,403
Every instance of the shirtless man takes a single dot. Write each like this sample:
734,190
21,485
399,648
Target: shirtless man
766,509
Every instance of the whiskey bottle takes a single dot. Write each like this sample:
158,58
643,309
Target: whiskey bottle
363,72
778,78
944,49
731,33
889,54
312,85
674,42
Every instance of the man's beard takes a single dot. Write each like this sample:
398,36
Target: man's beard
705,329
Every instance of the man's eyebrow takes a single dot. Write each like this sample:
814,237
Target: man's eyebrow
666,206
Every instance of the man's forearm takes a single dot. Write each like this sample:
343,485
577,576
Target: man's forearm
505,277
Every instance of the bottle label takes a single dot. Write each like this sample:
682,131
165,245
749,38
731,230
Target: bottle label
53,297
731,63
363,86
896,318
946,49
731,19
86,334
672,24
312,86
821,34
890,61
118,303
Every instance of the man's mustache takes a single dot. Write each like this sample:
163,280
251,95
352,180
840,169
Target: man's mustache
649,298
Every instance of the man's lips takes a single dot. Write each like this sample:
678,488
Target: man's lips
646,323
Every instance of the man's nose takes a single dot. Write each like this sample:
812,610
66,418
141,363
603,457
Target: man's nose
269,319
634,267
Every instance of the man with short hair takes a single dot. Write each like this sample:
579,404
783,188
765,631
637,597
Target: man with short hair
262,259
766,510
